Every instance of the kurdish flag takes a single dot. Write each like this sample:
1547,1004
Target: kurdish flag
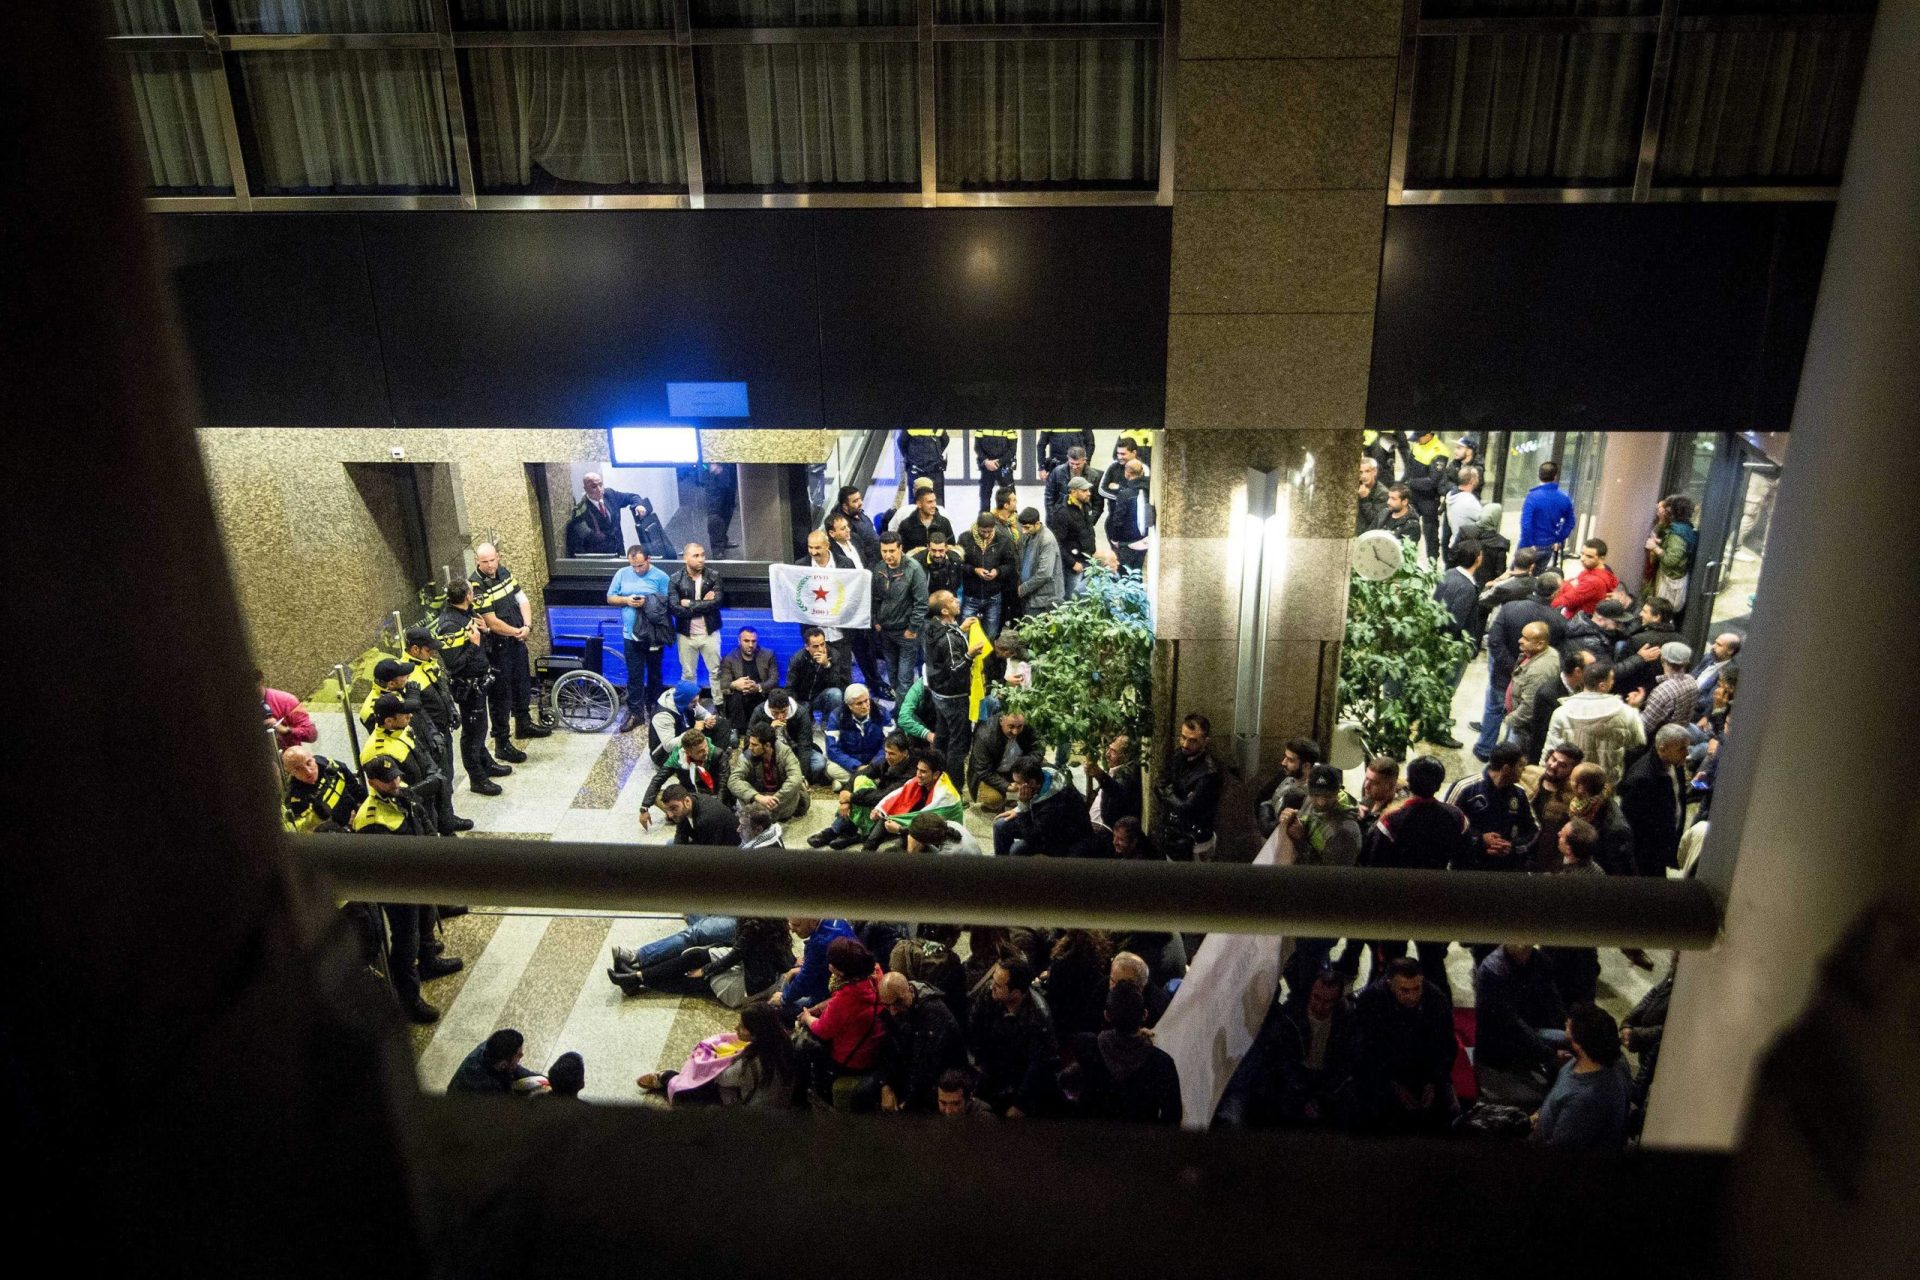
910,799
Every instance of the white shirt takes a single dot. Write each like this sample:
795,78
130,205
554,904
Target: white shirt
851,552
833,634
697,626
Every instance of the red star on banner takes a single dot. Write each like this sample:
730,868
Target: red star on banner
819,593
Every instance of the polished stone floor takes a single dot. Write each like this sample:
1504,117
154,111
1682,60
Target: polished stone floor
544,973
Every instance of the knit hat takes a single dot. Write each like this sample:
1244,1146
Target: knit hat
684,693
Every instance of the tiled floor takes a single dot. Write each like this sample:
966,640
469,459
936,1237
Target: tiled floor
544,973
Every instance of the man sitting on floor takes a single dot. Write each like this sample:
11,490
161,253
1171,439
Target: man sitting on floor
766,774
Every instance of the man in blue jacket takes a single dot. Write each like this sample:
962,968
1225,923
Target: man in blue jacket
857,735
806,983
1546,518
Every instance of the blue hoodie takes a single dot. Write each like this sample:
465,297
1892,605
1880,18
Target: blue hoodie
809,986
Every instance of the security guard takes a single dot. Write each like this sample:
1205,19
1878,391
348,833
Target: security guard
393,739
503,610
997,451
426,683
319,790
924,451
468,676
391,809
1426,477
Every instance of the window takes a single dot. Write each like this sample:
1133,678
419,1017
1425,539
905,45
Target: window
177,103
1516,110
558,120
1754,106
798,117
1048,113
342,122
296,17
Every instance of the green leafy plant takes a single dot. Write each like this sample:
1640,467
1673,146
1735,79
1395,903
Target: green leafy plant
1092,662
1397,665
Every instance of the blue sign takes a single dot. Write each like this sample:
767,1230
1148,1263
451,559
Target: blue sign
706,399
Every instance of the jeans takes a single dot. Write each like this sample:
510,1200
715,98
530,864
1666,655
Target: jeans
984,603
693,648
701,931
1076,583
1004,843
952,732
826,704
1493,715
901,656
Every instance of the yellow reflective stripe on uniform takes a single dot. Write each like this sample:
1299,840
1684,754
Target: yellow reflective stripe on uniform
452,637
424,675
1367,438
1431,452
396,744
486,593
994,431
926,431
378,811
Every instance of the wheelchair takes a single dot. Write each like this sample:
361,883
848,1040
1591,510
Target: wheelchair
574,695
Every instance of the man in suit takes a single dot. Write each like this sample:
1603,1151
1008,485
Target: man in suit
594,527
1653,797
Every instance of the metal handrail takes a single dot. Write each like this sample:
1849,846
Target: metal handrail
1060,892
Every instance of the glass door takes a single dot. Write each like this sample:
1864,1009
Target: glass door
1737,511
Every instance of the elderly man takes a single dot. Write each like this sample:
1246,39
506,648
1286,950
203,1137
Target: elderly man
506,615
1653,799
594,527
767,774
1370,498
319,790
855,737
1043,582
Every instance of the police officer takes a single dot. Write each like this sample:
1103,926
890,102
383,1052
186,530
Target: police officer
319,790
389,676
504,612
393,739
426,683
924,451
391,808
1055,444
468,675
997,452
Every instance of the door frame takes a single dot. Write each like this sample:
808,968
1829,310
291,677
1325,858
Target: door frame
1735,461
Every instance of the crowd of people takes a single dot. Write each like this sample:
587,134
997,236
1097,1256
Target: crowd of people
1598,748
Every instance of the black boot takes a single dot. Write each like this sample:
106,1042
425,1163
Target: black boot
627,981
507,751
524,727
483,786
440,966
423,1013
497,770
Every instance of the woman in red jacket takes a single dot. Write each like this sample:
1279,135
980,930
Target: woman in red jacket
844,1036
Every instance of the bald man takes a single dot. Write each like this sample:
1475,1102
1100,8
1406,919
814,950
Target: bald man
922,1042
1539,667
319,790
505,615
594,527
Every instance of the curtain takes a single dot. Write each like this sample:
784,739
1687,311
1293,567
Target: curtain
289,17
179,114
804,13
1761,105
565,15
607,117
1055,112
154,17
1520,109
806,115
983,11
347,120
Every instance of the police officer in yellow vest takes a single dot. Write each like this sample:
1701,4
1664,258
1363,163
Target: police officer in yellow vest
389,676
505,614
924,451
458,634
996,450
393,739
426,683
1427,478
391,809
319,790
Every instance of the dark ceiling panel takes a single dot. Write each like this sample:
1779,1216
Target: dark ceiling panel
580,319
1014,317
1594,317
278,317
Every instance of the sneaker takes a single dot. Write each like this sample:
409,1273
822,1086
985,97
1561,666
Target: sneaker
507,751
484,787
423,1013
440,966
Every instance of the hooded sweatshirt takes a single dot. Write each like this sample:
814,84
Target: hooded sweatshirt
1602,726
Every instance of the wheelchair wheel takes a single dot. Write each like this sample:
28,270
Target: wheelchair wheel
584,701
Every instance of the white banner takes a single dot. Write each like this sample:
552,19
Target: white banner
824,597
1220,1005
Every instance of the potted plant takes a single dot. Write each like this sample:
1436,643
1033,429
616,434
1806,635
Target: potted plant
1092,662
1398,661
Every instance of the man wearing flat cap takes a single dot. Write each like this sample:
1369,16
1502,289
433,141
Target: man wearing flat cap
1043,582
